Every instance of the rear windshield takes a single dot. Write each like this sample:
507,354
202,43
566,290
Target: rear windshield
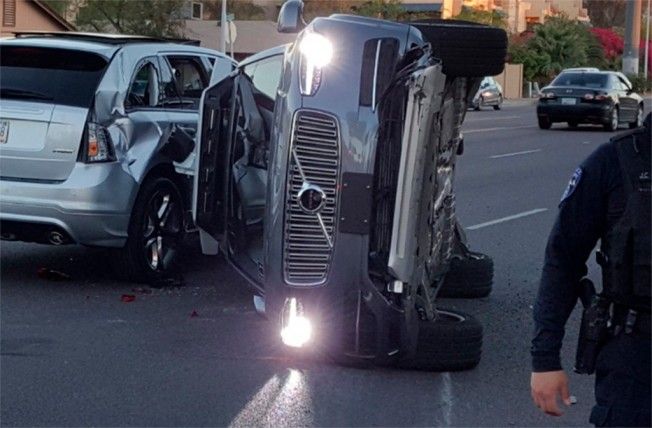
57,76
588,80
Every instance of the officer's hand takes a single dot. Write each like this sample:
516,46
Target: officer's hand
546,387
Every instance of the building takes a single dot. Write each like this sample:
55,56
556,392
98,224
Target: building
30,15
251,36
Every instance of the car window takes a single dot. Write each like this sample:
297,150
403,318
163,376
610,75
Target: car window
59,76
266,74
190,76
588,80
145,87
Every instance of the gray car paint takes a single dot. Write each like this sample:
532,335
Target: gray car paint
338,96
86,203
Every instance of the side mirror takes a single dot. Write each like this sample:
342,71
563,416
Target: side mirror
290,18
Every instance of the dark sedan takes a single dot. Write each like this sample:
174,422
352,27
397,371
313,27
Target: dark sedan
598,97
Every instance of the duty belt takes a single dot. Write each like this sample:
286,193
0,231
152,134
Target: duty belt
630,321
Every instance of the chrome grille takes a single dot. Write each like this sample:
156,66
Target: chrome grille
314,159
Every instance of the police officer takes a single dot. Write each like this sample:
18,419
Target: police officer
607,199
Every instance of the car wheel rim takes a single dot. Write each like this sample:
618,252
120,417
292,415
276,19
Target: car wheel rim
161,230
614,119
639,118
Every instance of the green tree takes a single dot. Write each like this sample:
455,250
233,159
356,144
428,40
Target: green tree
384,9
557,44
156,18
494,18
242,9
58,6
315,8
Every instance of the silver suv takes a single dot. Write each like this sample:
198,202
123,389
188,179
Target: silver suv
90,127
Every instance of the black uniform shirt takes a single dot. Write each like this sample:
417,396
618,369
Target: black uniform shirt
592,203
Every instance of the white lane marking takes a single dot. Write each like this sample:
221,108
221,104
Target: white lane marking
471,119
501,128
508,218
586,142
506,155
447,398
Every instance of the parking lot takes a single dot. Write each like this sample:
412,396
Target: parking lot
90,350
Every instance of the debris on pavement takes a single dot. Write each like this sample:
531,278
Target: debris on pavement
52,275
194,314
128,298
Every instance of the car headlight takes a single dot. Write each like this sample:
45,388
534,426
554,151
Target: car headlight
316,53
296,328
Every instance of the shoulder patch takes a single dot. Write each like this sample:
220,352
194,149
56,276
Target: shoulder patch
572,184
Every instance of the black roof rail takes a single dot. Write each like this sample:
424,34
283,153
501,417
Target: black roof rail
107,39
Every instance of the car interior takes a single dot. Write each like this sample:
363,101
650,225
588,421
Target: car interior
250,158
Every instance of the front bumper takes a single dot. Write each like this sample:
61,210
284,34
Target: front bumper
582,112
91,207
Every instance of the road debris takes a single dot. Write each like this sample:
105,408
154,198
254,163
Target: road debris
52,275
127,298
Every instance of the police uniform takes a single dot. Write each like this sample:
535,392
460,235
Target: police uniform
607,199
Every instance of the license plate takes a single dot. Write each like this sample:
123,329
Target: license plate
568,101
4,131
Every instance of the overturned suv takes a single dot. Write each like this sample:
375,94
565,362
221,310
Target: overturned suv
325,175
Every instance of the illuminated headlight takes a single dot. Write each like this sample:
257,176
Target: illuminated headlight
316,53
296,329
486,94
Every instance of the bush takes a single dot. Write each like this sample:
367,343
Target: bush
557,44
640,83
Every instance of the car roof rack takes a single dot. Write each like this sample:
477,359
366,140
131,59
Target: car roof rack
107,39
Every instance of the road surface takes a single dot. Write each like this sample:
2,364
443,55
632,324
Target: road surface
73,353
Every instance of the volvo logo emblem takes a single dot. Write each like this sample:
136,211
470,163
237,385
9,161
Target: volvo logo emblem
311,198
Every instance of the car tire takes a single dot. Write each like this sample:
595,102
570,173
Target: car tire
466,49
544,123
156,232
639,119
452,342
572,125
468,278
500,103
613,122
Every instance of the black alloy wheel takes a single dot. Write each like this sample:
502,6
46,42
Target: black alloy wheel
155,232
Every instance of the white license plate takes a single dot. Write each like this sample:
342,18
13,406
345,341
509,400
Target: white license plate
568,101
4,131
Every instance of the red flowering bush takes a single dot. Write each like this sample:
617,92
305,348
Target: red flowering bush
612,43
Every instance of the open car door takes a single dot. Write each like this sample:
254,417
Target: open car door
212,169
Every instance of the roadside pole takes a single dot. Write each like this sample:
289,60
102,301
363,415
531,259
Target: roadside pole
225,30
632,37
647,40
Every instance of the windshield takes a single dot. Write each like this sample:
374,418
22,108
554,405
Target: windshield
588,80
58,76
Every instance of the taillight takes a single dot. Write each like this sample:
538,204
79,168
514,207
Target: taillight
595,97
97,145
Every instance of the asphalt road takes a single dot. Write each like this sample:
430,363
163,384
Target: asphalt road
74,354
